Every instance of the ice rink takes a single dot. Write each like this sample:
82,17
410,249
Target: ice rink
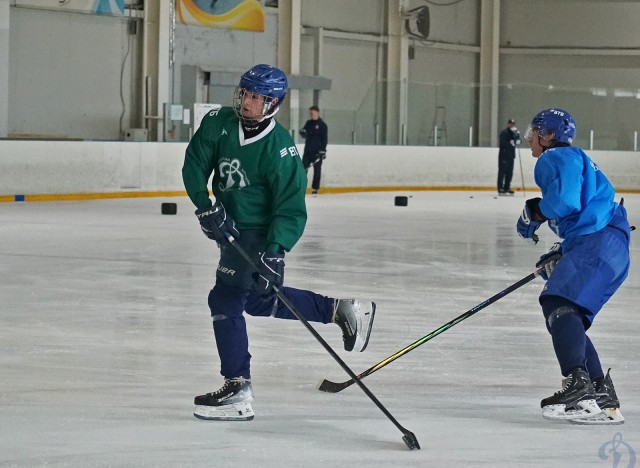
106,337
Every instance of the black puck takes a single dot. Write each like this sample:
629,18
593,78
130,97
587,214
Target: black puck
169,208
401,201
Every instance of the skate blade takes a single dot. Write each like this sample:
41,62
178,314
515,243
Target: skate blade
365,323
584,409
609,416
236,412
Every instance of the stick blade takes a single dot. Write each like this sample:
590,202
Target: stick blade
333,387
411,440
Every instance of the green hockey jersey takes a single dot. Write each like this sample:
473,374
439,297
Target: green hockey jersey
260,181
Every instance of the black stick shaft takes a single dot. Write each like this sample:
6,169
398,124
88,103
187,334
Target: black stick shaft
334,387
409,438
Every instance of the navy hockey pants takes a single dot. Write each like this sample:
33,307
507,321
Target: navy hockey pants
233,295
591,269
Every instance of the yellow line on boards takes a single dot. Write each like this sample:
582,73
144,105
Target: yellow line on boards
323,190
90,196
404,189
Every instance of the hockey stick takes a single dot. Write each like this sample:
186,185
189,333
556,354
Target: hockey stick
335,387
522,174
317,160
408,437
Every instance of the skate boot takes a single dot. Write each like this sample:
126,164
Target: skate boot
355,318
608,402
230,403
576,400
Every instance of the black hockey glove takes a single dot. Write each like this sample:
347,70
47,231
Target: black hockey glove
549,260
271,273
216,225
527,225
322,154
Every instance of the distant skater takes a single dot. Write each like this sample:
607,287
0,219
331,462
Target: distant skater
316,135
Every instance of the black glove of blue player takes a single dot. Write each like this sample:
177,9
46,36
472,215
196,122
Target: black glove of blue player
549,260
527,225
271,273
216,225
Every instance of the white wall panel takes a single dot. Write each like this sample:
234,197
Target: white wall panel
352,68
362,16
569,23
31,167
64,74
456,24
442,78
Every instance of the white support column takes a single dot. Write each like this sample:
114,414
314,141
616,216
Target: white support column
151,104
318,50
489,73
4,68
397,72
289,19
164,71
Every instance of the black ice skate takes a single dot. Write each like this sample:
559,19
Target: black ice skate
356,319
231,403
607,400
576,400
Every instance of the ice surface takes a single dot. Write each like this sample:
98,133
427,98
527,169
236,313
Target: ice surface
106,337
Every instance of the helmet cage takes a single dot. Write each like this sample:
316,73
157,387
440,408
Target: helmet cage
269,108
549,135
260,82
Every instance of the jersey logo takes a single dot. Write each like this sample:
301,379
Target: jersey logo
594,165
232,176
291,150
224,132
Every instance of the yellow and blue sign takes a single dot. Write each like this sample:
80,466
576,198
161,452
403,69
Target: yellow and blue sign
109,7
247,15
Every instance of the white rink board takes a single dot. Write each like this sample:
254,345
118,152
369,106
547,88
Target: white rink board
35,167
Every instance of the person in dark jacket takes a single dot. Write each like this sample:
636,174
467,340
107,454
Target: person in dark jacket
509,139
315,133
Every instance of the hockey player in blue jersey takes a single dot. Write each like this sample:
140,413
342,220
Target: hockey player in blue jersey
583,271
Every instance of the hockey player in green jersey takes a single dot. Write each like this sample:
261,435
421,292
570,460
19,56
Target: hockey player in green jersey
259,186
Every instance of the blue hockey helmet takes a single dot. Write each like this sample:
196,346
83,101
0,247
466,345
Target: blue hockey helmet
553,125
264,80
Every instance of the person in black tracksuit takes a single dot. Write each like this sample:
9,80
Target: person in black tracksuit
509,139
315,133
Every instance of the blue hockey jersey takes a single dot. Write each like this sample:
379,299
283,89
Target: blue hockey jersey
577,198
